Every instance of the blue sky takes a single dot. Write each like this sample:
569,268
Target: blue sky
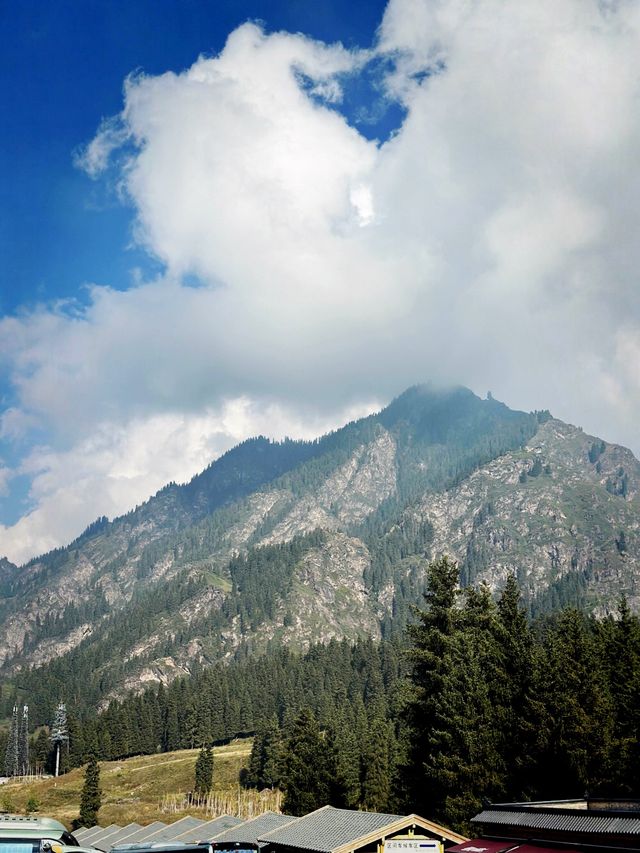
62,67
219,219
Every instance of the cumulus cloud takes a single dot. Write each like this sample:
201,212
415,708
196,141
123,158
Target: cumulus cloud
490,241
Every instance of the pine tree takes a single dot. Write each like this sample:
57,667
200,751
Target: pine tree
91,797
343,741
462,763
579,710
621,641
307,781
41,750
432,641
12,754
376,769
520,710
77,750
272,755
203,772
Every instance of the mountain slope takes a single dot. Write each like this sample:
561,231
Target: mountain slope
305,541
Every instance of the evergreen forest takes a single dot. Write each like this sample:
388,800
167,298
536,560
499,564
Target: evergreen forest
474,702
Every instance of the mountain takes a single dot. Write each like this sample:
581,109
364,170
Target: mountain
294,542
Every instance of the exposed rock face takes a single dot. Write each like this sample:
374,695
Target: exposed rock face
346,497
554,506
330,598
565,519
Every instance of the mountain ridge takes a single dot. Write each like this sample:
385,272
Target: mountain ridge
330,539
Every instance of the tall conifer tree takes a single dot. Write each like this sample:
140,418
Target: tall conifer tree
91,797
432,640
203,772
376,768
307,780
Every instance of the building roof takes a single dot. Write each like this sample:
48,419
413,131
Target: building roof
482,845
119,836
551,819
210,828
98,832
251,831
485,845
145,832
84,830
175,829
106,839
329,830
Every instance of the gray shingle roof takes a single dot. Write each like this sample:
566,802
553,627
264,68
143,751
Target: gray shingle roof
97,833
120,836
562,821
210,828
173,830
253,830
108,839
145,833
328,828
84,830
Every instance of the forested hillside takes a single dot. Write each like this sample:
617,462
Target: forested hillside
474,702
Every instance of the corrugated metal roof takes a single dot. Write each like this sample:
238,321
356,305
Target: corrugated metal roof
328,828
575,821
251,831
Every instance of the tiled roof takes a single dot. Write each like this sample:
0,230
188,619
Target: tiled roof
253,830
327,829
562,821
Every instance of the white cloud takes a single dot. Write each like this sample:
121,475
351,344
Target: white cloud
491,241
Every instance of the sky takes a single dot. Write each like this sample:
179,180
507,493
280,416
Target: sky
220,219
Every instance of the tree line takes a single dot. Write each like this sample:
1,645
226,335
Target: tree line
492,708
476,703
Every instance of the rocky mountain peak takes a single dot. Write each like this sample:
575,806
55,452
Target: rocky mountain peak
294,542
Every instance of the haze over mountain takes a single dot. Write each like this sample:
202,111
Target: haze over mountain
296,542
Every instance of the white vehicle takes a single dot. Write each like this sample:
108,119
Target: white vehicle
20,834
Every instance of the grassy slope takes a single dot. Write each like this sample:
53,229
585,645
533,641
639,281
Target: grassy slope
145,788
